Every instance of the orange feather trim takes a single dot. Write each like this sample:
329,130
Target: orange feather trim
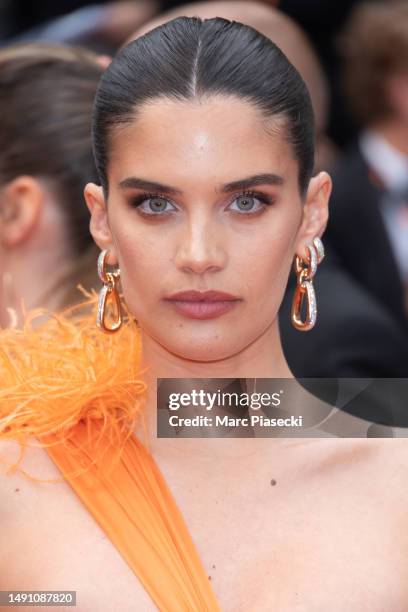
66,371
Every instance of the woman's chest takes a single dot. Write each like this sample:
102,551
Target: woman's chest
303,553
294,550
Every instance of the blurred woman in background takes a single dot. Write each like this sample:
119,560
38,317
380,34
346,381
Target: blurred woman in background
46,96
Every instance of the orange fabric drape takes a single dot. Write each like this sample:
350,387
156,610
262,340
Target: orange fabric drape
131,501
79,393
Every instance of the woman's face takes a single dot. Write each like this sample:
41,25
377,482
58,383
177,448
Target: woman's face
227,217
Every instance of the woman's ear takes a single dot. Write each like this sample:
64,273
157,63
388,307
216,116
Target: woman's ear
315,212
21,204
99,226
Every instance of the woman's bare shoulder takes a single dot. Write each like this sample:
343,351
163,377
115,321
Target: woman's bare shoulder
392,466
385,459
389,455
391,470
384,476
9,454
20,480
11,486
378,464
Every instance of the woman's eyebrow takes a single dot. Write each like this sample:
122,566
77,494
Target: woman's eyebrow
133,182
250,181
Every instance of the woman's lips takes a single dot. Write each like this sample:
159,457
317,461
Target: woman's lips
203,310
202,305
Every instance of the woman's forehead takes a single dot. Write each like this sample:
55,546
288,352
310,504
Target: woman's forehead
199,136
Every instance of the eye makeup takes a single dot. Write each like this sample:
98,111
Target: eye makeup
137,201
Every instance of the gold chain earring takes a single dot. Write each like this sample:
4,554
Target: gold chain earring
305,271
110,293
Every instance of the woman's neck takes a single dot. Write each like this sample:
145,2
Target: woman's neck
264,358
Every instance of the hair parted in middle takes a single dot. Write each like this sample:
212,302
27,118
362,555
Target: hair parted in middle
188,58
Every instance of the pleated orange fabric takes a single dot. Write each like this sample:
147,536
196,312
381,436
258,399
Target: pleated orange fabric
79,393
134,506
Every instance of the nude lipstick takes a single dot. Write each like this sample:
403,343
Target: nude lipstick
202,304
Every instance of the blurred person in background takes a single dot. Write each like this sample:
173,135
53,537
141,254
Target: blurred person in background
323,20
368,224
46,97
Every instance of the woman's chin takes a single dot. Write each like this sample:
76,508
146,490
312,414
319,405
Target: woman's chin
190,348
202,353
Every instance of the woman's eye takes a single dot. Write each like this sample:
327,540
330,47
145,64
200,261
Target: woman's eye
247,203
153,205
158,205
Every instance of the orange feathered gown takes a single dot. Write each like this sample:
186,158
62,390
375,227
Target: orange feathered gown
79,393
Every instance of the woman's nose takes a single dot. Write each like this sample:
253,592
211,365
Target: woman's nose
201,248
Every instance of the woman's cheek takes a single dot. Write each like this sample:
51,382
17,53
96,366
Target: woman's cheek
142,282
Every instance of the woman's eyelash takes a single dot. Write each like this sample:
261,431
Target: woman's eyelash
262,197
146,196
256,194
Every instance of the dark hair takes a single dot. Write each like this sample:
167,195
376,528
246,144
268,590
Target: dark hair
189,57
46,99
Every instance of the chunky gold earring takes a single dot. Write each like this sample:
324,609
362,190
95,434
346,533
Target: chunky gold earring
108,293
305,271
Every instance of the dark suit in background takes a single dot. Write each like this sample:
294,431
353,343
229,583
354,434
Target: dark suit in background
357,232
